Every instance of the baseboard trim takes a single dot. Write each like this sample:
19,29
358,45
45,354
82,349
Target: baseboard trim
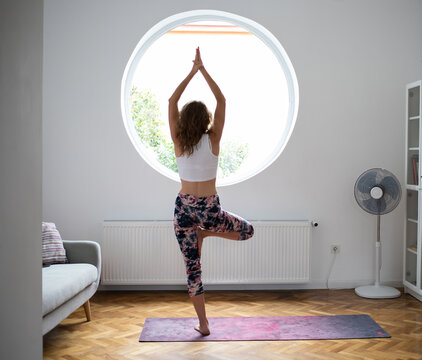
333,285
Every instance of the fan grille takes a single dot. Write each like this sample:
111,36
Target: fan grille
389,185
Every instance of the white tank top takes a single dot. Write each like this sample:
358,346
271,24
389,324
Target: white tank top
201,165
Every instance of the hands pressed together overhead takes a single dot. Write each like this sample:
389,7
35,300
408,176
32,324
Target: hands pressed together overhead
219,114
197,63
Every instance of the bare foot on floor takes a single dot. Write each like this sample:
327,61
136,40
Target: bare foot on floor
204,330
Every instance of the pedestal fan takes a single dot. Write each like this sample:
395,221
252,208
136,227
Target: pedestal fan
378,192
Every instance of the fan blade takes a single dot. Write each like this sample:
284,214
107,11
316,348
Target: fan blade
367,182
375,206
390,186
382,205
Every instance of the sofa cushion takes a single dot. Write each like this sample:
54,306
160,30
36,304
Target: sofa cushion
53,251
61,282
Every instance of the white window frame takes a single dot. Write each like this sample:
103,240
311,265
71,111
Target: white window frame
174,21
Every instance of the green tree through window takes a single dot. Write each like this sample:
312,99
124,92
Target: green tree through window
148,123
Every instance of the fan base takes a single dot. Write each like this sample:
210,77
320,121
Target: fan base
377,292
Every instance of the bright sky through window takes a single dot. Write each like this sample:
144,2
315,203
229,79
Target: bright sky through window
248,73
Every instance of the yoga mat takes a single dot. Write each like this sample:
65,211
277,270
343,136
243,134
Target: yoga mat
264,328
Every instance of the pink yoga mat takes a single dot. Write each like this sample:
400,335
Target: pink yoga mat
264,328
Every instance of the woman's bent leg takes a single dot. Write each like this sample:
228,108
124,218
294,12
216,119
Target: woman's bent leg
238,224
202,234
226,235
228,225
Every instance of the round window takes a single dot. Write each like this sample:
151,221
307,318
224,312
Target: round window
249,65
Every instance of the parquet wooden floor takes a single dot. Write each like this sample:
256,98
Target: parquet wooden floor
118,317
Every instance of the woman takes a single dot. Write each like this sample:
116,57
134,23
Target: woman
198,213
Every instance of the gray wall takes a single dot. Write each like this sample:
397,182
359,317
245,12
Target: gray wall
352,59
21,51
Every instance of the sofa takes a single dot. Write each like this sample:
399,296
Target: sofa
66,287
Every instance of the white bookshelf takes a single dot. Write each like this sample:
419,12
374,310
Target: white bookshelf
412,278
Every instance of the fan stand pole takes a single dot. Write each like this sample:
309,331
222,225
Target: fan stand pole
378,252
377,291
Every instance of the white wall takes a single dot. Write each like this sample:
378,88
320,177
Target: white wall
352,59
21,51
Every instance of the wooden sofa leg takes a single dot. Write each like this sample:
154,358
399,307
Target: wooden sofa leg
87,309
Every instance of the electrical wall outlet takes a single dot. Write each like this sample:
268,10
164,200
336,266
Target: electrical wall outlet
335,249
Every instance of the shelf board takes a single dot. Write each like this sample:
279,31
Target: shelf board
413,251
414,118
413,149
413,221
412,187
411,285
411,289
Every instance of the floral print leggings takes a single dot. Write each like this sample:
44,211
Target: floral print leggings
192,213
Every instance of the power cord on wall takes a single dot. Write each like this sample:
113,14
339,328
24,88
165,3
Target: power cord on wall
335,251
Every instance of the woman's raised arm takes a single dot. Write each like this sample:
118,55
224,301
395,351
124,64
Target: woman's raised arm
220,110
174,99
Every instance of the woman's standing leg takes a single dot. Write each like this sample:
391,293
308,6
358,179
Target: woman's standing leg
199,305
186,231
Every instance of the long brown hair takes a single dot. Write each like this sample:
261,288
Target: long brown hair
194,121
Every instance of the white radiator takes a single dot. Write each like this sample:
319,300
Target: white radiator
147,253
